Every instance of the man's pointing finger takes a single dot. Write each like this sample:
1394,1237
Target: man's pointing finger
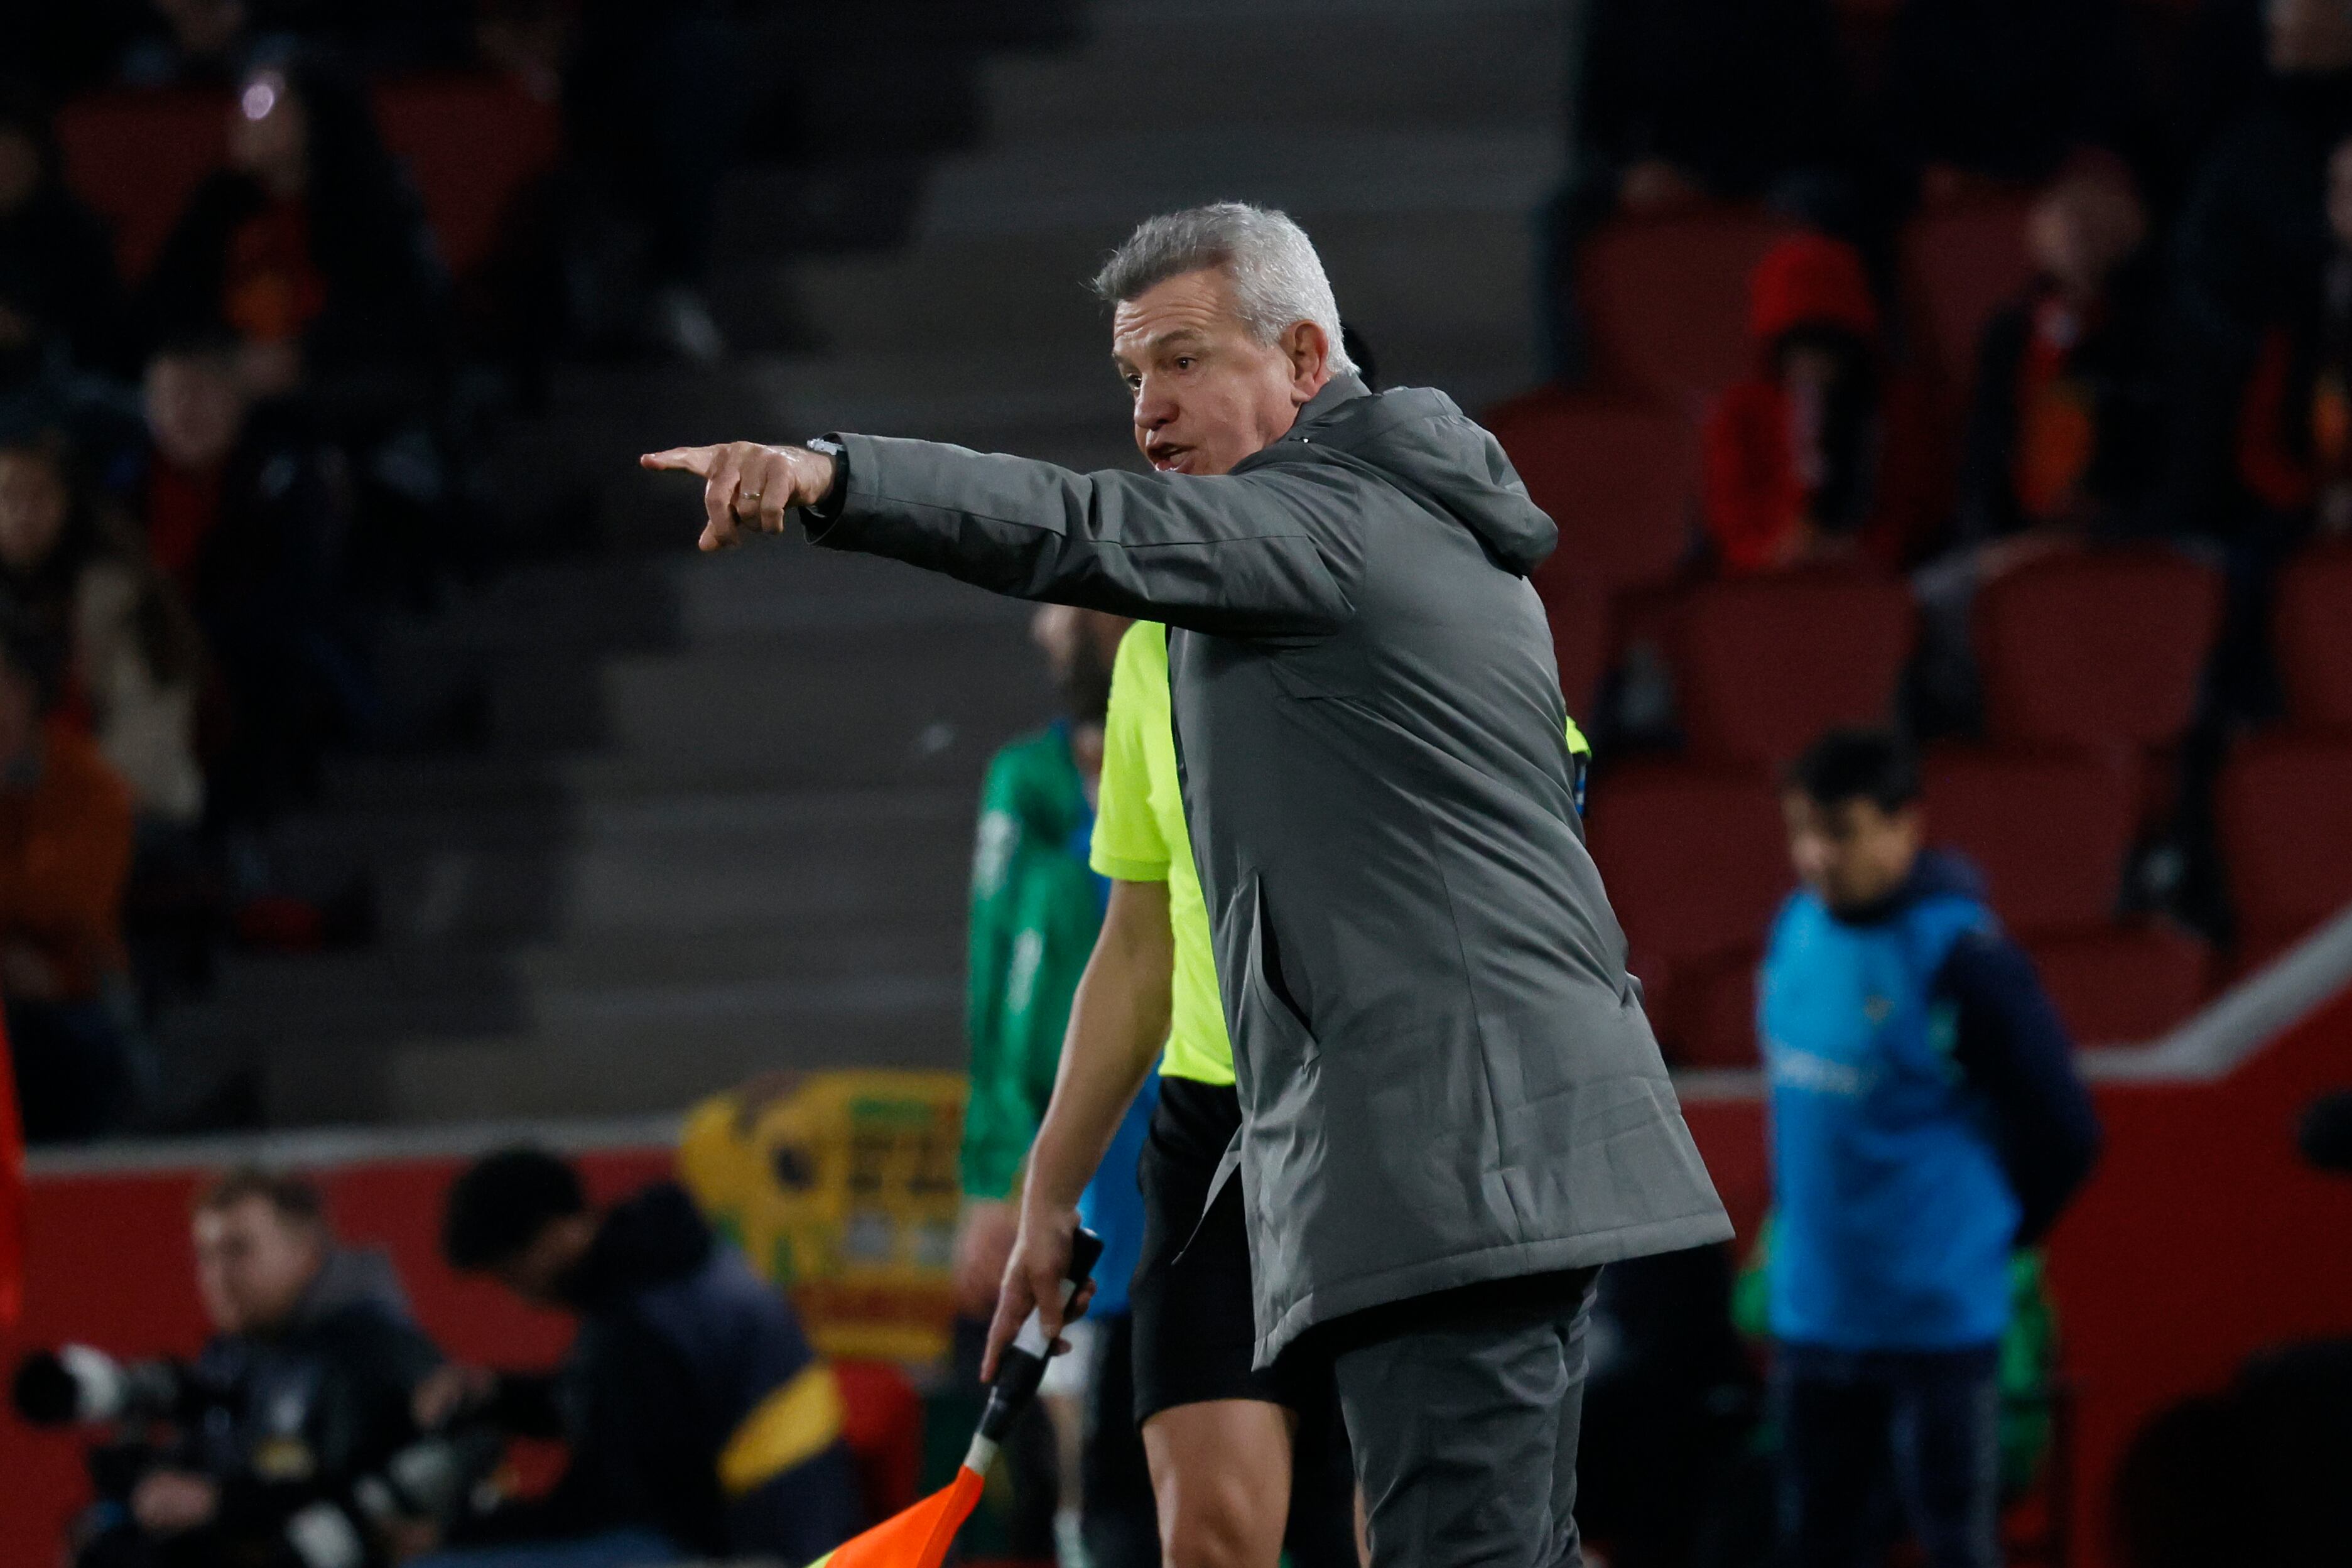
686,459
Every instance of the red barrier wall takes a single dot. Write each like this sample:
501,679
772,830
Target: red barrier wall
2200,1240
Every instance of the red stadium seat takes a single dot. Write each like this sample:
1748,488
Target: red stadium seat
2096,649
2050,831
2123,986
1696,865
1667,300
2313,625
1960,266
1764,665
2284,814
137,157
471,141
1620,479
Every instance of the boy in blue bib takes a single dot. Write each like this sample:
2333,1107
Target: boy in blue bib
1926,1120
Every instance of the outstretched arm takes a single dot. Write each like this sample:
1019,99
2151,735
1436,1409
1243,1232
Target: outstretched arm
1270,553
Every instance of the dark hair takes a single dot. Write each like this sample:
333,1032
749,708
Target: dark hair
1871,765
501,1202
295,1198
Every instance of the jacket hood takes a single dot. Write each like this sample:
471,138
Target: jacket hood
1420,438
351,1278
1810,278
648,1239
1935,872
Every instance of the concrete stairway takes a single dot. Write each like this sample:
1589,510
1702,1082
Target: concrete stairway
723,821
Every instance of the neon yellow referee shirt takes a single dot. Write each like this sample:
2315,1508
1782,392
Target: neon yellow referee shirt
1141,836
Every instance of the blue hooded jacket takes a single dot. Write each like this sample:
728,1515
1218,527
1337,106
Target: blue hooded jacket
1926,1117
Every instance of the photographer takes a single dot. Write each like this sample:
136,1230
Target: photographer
699,1421
251,1454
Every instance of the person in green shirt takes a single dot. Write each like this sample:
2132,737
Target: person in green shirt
1035,910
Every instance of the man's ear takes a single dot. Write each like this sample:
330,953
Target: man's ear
1310,352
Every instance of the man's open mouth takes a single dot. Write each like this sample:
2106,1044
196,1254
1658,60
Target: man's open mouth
1168,458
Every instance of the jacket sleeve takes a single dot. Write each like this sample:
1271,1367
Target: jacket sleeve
1271,553
2012,1047
994,1138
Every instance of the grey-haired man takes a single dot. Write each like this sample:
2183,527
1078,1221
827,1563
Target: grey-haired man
1454,1111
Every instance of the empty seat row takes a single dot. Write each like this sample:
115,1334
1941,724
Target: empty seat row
470,142
1666,297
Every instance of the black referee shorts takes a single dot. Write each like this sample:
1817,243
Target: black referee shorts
1194,1328
1194,1332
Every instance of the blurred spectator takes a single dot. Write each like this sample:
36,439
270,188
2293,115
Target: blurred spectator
2295,431
698,1420
2066,429
1926,1120
1679,101
70,579
246,518
65,851
2001,91
1037,909
59,301
2066,424
310,246
303,1389
2251,260
1817,456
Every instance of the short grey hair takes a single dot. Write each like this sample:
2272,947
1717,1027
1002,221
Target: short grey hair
1278,280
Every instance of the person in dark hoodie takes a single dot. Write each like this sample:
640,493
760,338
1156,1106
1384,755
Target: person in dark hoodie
699,1421
302,1391
245,521
1927,1121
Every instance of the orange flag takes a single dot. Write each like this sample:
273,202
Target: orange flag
918,1538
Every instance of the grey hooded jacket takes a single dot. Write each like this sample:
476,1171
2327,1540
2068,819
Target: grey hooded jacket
1445,1070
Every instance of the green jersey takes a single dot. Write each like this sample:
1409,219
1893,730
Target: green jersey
1141,836
1036,912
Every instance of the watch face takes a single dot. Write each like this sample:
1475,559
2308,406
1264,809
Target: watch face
819,444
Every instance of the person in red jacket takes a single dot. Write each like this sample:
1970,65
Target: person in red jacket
1815,456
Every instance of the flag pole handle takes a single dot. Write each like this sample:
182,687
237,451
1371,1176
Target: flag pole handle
1023,1366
